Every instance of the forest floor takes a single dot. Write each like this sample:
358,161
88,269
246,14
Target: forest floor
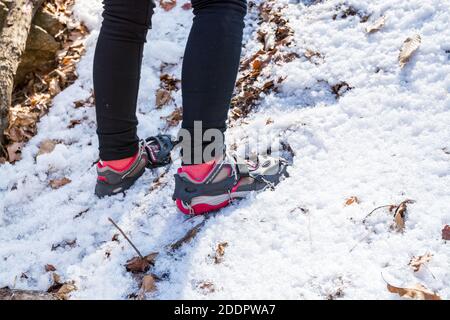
364,133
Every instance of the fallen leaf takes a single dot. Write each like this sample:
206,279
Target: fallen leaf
400,214
14,151
220,252
377,25
446,232
408,48
65,289
148,284
163,97
49,268
168,5
206,287
139,265
269,121
417,262
58,183
73,123
351,200
47,146
174,118
418,292
340,88
54,87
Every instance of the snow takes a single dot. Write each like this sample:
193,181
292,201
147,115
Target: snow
384,141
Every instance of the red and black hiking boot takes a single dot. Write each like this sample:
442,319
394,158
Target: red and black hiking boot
211,186
153,152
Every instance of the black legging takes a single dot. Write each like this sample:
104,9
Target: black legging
210,66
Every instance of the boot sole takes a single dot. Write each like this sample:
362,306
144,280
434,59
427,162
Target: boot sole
104,190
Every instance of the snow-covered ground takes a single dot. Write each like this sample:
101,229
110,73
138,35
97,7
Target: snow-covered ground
384,141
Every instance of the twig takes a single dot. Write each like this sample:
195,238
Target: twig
365,237
125,236
378,208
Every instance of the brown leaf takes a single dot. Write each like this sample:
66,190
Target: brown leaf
418,292
163,97
65,290
206,287
58,183
220,252
408,48
174,118
167,5
148,284
54,87
14,151
400,214
47,146
340,88
139,265
446,232
351,200
73,123
49,268
377,25
417,262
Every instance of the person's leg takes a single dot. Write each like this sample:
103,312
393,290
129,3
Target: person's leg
210,65
117,67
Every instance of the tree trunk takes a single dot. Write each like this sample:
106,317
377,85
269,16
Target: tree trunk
13,39
9,294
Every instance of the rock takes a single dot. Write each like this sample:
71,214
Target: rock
39,54
48,22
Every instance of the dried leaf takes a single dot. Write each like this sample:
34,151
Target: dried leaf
408,48
174,118
58,183
49,268
47,146
269,121
377,25
14,151
73,123
400,213
206,287
351,200
168,5
418,292
340,88
66,288
139,265
163,97
446,232
417,262
148,284
220,252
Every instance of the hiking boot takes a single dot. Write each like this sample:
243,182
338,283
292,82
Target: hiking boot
211,186
153,152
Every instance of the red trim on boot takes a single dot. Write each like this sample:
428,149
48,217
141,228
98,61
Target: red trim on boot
103,164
